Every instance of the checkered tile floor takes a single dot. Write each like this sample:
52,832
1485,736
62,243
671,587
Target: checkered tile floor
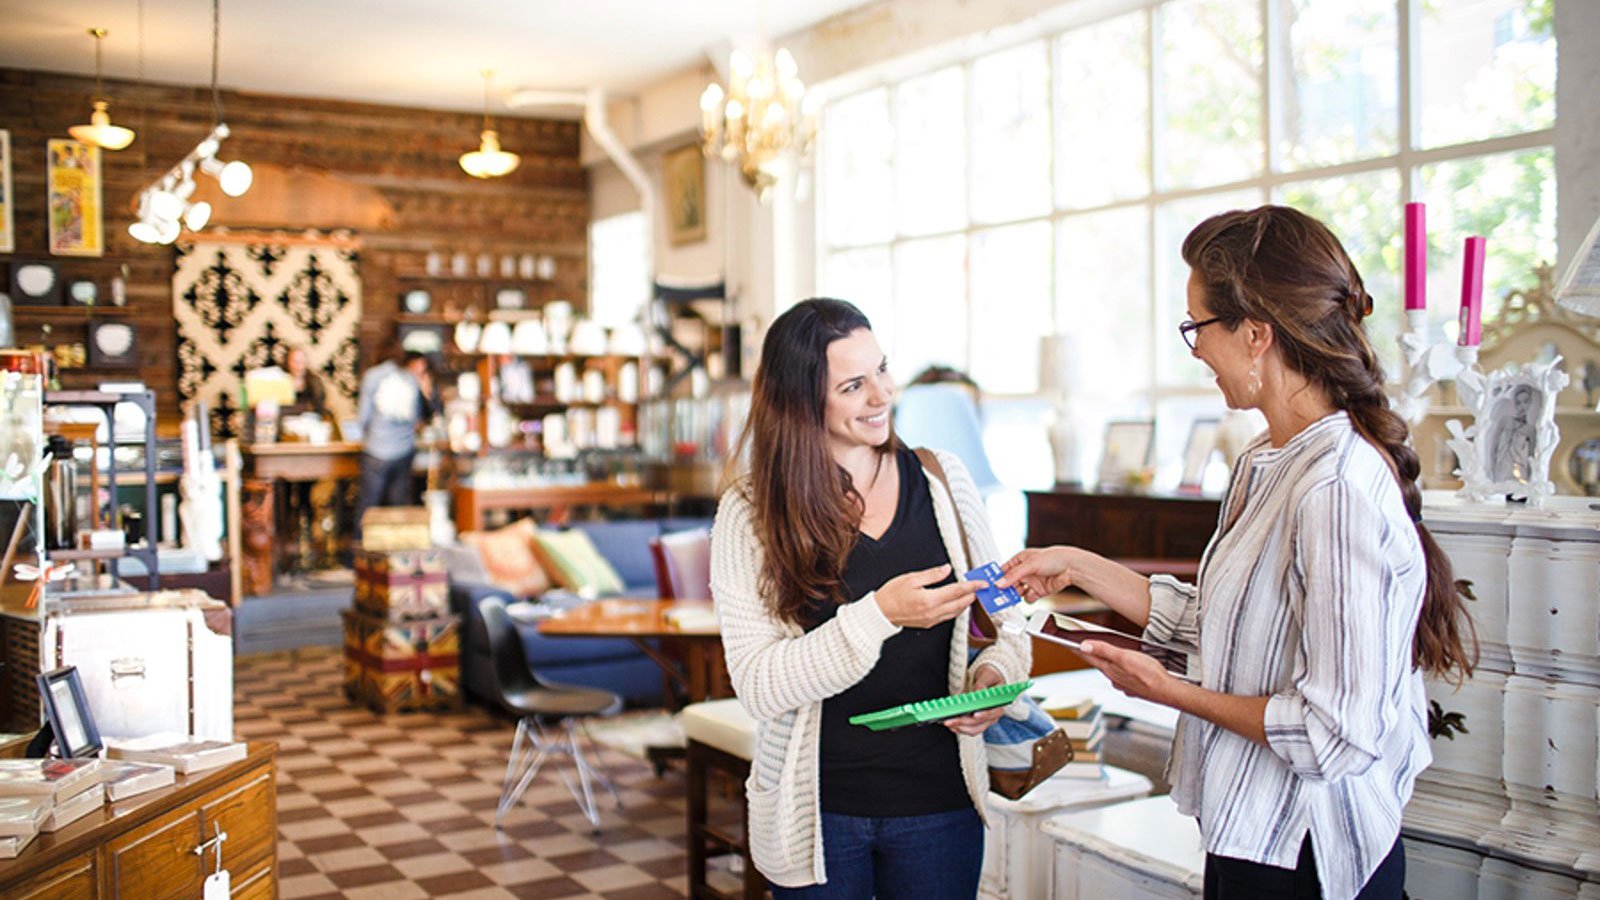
402,806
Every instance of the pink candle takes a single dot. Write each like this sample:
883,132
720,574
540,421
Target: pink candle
1416,256
1472,292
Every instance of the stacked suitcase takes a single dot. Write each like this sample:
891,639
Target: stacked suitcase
401,644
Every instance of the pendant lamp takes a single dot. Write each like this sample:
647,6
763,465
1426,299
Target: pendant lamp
100,132
489,161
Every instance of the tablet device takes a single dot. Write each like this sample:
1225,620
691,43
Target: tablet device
923,712
1072,633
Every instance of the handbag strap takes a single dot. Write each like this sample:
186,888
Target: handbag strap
982,626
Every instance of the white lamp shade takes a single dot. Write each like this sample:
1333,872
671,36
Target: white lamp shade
236,178
145,232
489,161
197,216
100,132
496,338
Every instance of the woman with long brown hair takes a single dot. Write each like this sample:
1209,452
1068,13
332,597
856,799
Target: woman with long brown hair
1321,599
833,568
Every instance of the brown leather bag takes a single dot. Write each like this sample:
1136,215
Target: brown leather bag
981,630
1050,753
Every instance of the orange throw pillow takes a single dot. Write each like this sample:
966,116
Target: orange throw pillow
507,555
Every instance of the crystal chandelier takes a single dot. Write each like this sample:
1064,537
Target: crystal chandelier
761,119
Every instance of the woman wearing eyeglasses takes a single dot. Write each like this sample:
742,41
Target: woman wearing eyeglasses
1321,599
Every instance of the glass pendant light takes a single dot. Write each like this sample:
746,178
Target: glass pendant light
100,132
489,161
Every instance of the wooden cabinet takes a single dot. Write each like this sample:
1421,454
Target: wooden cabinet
1142,528
143,848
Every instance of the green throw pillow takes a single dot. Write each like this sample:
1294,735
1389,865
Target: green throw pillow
572,559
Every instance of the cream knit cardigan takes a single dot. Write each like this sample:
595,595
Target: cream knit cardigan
782,674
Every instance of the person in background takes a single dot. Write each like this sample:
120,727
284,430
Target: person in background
1321,600
835,564
396,397
310,395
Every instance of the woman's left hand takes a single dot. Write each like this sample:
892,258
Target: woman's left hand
1132,672
976,723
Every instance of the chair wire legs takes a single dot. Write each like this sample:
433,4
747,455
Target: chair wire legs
529,749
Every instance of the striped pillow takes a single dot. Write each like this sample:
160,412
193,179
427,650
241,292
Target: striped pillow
572,560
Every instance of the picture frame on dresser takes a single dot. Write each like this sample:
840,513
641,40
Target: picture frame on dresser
66,708
1197,453
1513,436
1127,449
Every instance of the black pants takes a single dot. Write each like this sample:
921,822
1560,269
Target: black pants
1237,879
384,482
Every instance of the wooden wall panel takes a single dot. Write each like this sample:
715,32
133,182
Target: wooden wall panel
407,157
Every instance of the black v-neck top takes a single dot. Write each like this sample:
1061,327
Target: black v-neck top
912,771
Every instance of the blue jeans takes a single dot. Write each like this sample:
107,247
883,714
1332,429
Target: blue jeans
936,857
384,482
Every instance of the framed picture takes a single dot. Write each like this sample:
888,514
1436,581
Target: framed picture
72,199
683,178
82,292
1197,453
35,283
1127,451
66,708
511,298
8,231
1507,448
113,343
422,337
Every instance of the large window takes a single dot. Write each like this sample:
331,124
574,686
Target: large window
1045,187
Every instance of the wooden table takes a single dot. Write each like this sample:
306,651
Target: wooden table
642,621
472,503
296,461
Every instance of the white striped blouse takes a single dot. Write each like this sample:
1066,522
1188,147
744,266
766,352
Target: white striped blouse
1310,596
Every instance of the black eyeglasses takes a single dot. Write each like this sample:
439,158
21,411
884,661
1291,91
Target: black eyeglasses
1187,328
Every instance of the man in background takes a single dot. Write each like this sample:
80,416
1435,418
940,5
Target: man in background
395,399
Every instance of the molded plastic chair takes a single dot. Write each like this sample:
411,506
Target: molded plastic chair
538,702
944,417
683,564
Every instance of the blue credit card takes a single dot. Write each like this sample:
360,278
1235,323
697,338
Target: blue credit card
993,599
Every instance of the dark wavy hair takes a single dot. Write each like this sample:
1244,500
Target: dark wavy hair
1280,266
806,508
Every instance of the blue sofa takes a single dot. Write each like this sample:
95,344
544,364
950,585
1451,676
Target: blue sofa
613,664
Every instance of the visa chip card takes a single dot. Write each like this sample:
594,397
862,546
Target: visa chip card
993,599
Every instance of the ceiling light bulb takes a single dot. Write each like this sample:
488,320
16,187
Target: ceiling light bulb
236,178
711,97
165,205
169,231
197,216
145,232
100,132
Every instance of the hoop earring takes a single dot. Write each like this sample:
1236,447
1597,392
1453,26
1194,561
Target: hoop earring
1254,386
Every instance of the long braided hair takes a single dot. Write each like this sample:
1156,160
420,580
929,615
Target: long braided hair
1280,266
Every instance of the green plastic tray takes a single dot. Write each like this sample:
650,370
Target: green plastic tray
939,709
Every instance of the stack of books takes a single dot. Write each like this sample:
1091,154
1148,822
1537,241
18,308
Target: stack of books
1085,727
183,754
43,795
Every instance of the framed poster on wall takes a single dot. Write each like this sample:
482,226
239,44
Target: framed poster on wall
8,235
72,181
683,179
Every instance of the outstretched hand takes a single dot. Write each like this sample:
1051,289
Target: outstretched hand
909,602
1038,572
